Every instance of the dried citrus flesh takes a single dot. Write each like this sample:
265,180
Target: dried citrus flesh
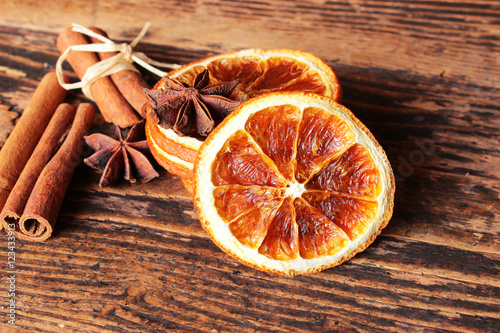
292,183
259,72
262,71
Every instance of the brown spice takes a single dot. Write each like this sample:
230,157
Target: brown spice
43,206
122,158
111,103
191,110
130,84
27,132
48,144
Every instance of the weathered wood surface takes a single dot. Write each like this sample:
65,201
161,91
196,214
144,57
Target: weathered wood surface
422,75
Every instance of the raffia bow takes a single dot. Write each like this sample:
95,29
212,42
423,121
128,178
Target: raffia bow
121,61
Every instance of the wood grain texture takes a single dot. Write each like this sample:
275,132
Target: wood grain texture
422,75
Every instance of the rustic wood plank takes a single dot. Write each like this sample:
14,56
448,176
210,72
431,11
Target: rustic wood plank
434,37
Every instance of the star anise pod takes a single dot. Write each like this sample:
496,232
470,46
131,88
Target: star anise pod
190,109
121,158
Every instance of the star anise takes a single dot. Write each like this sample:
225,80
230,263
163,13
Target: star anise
121,158
192,109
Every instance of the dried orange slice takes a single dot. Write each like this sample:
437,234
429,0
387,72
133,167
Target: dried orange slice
292,183
259,72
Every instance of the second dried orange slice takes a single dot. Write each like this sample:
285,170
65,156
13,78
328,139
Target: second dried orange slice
292,183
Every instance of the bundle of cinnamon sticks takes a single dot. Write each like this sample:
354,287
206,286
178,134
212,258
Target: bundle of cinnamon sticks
120,96
35,168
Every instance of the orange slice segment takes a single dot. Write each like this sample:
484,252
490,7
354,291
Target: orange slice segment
318,236
245,67
353,215
295,203
354,173
241,162
233,200
282,237
275,131
322,136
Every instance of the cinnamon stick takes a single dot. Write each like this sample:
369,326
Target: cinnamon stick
111,103
27,132
44,150
44,204
130,84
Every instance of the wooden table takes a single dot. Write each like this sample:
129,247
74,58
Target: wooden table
422,75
